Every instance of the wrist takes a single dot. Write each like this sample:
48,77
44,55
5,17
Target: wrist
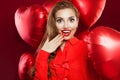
47,51
42,55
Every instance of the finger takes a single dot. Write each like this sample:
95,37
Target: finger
58,44
60,39
57,38
47,40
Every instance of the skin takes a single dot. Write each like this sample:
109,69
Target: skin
66,23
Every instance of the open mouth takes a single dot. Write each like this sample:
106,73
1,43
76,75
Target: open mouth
66,32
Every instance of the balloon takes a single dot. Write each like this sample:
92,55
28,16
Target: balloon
30,23
26,66
83,35
48,4
104,46
90,10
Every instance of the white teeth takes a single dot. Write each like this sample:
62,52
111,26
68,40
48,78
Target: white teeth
66,31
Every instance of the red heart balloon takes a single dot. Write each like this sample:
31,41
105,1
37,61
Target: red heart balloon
26,66
104,46
48,4
83,35
90,10
30,23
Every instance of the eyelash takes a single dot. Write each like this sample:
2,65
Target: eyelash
60,20
71,20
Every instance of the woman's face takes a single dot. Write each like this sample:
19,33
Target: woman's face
66,22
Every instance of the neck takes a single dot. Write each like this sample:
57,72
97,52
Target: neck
62,45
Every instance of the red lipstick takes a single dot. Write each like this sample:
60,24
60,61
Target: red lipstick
66,32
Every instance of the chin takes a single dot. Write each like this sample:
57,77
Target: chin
67,38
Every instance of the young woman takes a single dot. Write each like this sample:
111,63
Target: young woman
61,56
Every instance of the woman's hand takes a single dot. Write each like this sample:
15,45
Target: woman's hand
51,46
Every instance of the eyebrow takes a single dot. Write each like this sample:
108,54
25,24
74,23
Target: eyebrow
71,16
62,18
58,17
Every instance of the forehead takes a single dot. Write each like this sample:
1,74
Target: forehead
64,13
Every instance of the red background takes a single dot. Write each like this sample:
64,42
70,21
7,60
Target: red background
12,46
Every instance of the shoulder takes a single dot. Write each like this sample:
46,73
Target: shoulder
81,45
77,43
80,48
80,42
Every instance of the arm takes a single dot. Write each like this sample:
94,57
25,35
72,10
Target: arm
41,65
41,72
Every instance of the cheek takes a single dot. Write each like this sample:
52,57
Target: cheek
73,25
59,26
73,31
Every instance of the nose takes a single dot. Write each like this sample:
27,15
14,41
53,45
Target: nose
65,24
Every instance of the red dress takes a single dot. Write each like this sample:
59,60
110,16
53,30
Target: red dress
69,64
